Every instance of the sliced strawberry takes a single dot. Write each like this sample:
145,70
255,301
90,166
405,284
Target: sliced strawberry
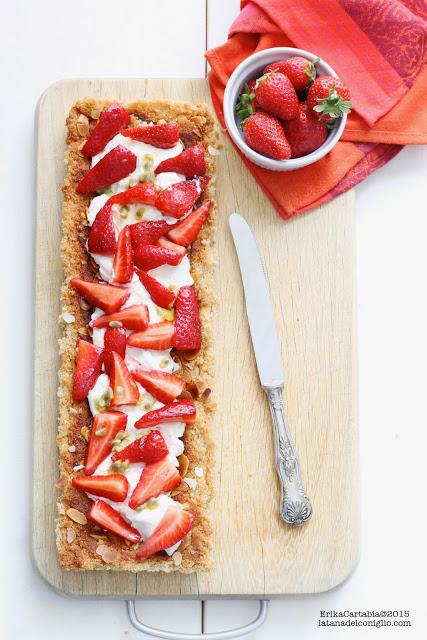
174,525
188,332
144,193
104,296
167,244
186,231
156,477
203,182
160,295
157,336
111,120
108,518
114,486
102,236
147,232
106,426
123,261
181,411
163,136
150,256
115,165
190,163
135,318
123,385
179,198
88,368
152,448
164,386
114,340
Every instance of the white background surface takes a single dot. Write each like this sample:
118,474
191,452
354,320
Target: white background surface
47,40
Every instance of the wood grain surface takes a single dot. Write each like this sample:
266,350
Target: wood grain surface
310,266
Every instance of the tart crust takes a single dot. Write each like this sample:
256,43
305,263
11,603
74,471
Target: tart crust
85,546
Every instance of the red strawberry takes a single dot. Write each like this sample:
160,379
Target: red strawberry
158,336
106,426
152,448
181,411
156,477
188,333
167,244
113,487
147,232
104,296
150,256
108,518
123,261
160,295
246,104
190,162
114,340
135,318
164,386
163,136
265,134
174,525
124,386
275,94
186,231
115,165
329,98
111,120
305,133
102,236
179,198
144,193
299,70
88,368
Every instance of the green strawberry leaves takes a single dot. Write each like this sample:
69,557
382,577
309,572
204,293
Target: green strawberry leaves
333,105
244,107
311,69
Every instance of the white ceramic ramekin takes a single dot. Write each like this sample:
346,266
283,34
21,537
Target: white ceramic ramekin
252,67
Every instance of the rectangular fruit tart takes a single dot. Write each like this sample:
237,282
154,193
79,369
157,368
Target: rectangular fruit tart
136,363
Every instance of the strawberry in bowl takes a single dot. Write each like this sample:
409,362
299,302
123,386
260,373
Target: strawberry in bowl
285,108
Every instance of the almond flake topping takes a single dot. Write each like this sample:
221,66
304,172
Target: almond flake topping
76,516
192,483
68,317
71,535
212,151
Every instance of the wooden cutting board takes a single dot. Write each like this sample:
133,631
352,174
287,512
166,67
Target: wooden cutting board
310,265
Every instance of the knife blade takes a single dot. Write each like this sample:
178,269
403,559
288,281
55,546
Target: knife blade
295,506
258,304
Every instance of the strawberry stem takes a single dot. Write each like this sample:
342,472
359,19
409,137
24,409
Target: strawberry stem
311,69
333,105
244,107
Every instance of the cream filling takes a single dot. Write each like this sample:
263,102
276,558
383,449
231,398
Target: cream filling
148,516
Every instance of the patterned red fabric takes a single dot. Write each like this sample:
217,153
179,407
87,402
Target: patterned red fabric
378,47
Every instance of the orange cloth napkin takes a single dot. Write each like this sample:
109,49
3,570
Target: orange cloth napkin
377,47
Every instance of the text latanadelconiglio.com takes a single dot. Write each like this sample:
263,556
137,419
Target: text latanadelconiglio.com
365,618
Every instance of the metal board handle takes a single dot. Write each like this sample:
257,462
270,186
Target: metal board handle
218,635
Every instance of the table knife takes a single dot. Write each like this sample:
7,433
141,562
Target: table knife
295,506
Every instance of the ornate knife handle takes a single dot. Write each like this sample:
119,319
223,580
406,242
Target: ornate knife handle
295,506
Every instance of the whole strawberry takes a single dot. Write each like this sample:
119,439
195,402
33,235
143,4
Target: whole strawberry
299,70
246,104
329,98
305,133
264,133
274,93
